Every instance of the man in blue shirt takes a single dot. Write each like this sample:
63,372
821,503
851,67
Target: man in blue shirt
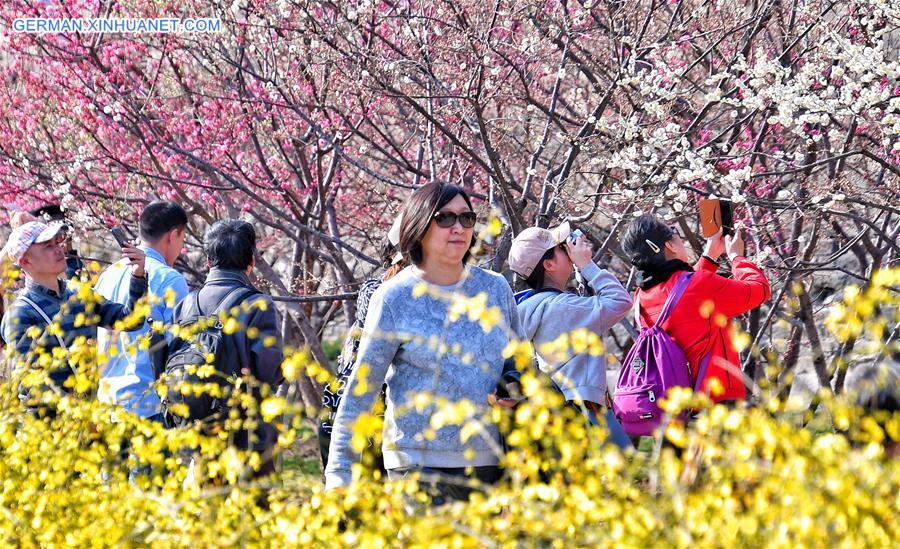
128,376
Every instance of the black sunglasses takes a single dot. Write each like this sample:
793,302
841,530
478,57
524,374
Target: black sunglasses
448,219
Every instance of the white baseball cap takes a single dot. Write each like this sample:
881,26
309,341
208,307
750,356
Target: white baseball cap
23,236
394,238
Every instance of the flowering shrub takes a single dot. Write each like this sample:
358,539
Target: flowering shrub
746,478
738,476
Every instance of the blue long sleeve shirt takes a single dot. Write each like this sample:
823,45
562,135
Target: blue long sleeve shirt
127,376
412,344
546,316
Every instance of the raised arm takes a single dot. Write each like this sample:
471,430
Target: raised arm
111,312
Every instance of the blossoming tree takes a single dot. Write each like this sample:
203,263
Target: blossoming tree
315,119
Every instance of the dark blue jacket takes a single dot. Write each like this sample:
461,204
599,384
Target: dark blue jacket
260,355
75,316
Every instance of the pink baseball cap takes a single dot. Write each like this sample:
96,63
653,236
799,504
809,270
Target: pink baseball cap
27,234
531,244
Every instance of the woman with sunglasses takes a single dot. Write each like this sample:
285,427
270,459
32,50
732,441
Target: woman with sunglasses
412,343
700,322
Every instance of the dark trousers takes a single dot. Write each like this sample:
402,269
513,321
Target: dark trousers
450,483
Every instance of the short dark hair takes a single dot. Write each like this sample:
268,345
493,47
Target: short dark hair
230,243
535,280
418,213
160,217
638,235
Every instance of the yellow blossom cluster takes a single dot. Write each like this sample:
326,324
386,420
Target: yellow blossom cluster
867,308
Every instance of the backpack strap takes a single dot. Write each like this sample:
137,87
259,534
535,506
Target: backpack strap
704,362
232,299
197,303
227,302
637,309
674,297
49,322
684,279
44,316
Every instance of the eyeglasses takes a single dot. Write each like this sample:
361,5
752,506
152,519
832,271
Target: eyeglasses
448,219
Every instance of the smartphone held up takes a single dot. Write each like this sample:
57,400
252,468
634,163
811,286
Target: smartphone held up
120,237
715,214
575,235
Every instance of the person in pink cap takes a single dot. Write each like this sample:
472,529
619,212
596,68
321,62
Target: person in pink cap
36,248
547,259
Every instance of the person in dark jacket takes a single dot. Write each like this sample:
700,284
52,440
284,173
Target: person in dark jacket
700,324
255,347
46,300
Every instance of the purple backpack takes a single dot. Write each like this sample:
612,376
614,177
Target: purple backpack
653,365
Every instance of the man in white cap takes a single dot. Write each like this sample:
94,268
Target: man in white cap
36,248
546,259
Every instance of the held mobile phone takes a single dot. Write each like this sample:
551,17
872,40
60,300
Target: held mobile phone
575,235
120,237
727,221
715,214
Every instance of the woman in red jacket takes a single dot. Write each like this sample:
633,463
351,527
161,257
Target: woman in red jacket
700,324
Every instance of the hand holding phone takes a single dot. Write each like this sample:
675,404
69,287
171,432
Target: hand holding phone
575,235
715,246
135,256
579,252
734,246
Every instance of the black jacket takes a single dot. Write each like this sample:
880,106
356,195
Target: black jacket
261,355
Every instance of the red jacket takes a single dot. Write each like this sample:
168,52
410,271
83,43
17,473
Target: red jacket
701,321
